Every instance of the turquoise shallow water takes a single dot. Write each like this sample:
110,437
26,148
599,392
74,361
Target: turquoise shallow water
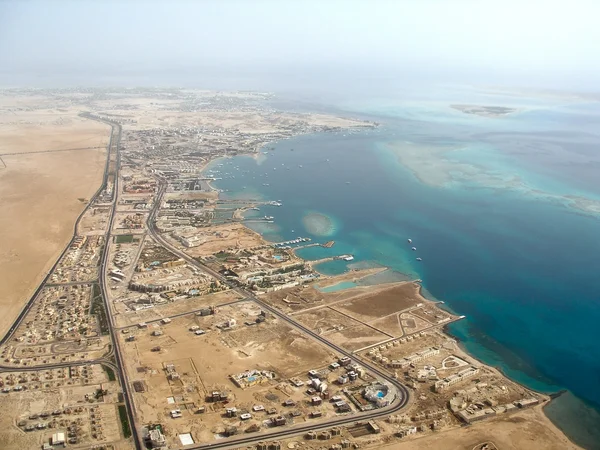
520,264
338,287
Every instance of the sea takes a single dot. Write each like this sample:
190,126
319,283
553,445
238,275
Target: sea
503,211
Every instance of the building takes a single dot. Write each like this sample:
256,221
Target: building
58,439
406,431
524,403
278,421
156,438
380,394
251,378
414,358
471,415
453,379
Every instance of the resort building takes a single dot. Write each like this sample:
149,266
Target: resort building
414,358
453,379
380,394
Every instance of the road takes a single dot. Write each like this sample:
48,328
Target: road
127,397
186,313
118,365
113,146
404,394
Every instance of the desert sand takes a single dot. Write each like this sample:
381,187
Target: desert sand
42,191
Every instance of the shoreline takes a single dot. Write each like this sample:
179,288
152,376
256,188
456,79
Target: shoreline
546,398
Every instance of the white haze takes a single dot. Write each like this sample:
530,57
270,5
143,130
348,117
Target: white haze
526,42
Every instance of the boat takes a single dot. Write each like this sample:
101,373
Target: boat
410,241
300,166
414,249
347,182
419,259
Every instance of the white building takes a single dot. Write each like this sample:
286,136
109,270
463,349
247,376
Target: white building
453,379
414,358
157,439
58,439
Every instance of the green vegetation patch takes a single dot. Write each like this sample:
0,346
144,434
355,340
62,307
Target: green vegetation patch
124,421
98,310
109,373
124,239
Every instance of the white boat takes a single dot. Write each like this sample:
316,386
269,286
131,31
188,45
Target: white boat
419,259
414,249
410,241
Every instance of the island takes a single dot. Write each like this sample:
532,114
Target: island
484,111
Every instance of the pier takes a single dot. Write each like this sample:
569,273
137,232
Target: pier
331,258
314,244
288,244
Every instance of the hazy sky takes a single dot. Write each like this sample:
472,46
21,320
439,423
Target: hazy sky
557,40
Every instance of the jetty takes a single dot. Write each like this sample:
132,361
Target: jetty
331,258
288,244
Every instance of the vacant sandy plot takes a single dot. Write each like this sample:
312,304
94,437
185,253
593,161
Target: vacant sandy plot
224,237
390,324
357,337
382,303
51,131
524,429
41,195
324,320
340,329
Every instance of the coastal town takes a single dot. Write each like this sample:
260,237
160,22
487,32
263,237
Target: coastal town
167,322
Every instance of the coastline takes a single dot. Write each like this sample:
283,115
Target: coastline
546,398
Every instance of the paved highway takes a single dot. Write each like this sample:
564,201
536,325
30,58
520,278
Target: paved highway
127,397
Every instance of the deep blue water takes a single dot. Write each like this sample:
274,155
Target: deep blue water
520,264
